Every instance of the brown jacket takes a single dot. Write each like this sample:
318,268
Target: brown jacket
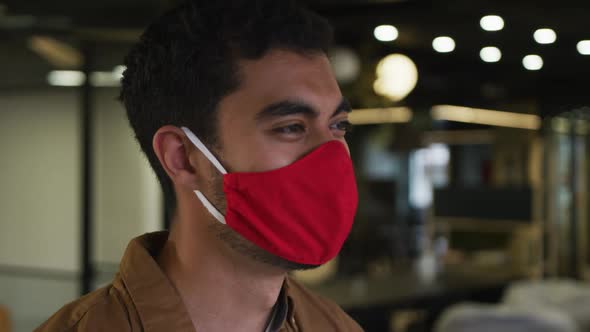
141,298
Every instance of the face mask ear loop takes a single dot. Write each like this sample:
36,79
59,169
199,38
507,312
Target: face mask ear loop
197,142
212,209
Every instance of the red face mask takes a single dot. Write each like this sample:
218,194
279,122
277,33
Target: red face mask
302,212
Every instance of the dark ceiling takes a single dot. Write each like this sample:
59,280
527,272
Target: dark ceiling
458,77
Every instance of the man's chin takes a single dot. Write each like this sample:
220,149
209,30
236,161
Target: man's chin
260,255
251,250
292,266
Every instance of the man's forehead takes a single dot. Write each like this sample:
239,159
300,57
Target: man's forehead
286,67
286,76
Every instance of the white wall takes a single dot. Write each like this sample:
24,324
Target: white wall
40,196
39,180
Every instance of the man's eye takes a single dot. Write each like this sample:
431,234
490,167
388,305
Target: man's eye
345,126
290,129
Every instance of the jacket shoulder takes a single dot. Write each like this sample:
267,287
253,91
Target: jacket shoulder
311,308
101,310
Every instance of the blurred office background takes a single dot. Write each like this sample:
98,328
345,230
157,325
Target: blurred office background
471,145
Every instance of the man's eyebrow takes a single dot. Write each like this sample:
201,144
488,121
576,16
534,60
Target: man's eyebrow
285,108
290,107
344,107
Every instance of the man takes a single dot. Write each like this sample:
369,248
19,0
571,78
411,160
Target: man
235,106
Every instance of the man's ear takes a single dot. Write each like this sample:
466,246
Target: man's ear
172,150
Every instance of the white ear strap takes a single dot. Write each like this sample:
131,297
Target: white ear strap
197,142
212,209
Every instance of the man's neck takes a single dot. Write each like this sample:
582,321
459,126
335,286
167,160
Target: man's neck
221,289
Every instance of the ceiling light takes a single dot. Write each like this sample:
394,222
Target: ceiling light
77,78
545,36
584,47
380,115
346,64
486,117
492,23
386,33
443,44
108,78
60,54
105,79
397,76
66,78
532,62
119,70
490,54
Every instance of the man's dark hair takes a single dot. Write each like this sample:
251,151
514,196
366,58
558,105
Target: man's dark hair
186,62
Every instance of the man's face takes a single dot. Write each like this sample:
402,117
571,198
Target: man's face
287,105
